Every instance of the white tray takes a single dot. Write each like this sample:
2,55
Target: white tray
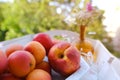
103,55
25,39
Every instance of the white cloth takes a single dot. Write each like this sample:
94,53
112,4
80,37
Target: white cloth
103,69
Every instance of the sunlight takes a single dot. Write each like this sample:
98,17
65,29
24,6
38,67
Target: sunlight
6,0
112,13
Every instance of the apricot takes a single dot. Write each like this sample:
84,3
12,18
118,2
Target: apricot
37,50
3,62
45,66
45,40
38,74
12,48
20,63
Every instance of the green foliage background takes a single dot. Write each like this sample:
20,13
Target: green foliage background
23,17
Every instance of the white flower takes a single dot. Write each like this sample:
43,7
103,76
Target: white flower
83,17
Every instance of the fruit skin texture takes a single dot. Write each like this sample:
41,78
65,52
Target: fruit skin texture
44,65
21,62
38,74
3,62
37,50
44,39
64,58
13,48
8,76
55,41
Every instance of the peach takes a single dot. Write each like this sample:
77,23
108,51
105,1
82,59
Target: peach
44,39
38,74
45,66
9,76
64,58
12,48
3,62
55,41
37,50
21,62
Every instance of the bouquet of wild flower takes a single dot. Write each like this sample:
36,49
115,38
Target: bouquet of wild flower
82,18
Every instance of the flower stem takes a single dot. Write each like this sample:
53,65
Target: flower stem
82,32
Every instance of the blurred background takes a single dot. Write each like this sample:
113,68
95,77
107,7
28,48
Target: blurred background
21,17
